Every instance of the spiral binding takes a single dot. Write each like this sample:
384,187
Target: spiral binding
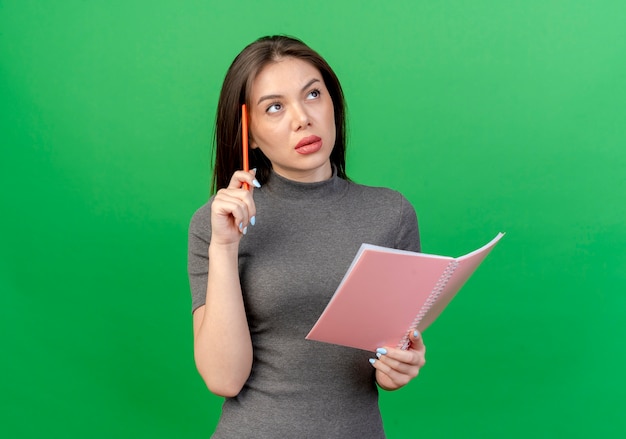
430,301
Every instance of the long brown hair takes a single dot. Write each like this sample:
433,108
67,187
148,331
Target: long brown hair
236,91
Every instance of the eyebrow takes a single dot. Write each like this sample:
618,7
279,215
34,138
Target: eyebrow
271,97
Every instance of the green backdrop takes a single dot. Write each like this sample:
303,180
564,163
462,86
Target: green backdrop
488,115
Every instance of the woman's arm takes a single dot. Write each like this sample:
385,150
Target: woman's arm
222,343
395,368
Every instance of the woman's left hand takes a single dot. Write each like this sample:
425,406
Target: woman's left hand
396,367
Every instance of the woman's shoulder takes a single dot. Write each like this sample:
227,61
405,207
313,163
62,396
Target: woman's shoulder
377,194
389,213
201,219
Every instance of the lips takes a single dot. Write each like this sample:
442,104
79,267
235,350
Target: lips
309,145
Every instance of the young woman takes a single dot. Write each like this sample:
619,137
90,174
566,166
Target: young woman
264,261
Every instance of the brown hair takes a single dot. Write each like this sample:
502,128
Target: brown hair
236,91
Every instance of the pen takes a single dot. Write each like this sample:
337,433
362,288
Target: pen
244,140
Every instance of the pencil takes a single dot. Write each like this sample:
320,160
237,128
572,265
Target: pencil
244,141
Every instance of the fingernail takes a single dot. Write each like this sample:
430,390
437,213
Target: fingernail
253,220
254,170
381,351
241,227
245,230
416,333
256,183
372,360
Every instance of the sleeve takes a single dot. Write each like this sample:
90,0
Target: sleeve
408,236
198,255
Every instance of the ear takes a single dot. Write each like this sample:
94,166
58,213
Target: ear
251,143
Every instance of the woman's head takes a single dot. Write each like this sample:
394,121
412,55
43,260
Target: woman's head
237,90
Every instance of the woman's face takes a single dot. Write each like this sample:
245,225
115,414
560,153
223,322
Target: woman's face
292,120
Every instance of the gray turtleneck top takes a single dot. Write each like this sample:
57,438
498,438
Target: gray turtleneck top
290,264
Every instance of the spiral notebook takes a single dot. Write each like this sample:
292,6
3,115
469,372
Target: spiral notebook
386,294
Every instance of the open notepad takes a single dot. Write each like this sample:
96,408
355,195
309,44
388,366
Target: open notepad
386,294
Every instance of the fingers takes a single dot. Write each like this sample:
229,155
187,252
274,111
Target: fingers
396,367
406,362
417,343
240,177
233,209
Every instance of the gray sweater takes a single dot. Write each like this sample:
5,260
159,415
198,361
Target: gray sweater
290,264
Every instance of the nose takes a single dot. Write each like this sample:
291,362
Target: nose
300,117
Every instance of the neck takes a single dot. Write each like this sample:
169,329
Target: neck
322,173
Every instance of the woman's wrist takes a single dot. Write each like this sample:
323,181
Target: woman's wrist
217,249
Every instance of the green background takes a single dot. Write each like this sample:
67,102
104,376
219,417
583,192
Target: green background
488,115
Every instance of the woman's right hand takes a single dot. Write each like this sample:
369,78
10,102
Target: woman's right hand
233,209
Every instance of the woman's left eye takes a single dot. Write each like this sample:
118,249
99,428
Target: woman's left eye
314,94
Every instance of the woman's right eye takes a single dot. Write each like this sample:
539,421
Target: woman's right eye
274,108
